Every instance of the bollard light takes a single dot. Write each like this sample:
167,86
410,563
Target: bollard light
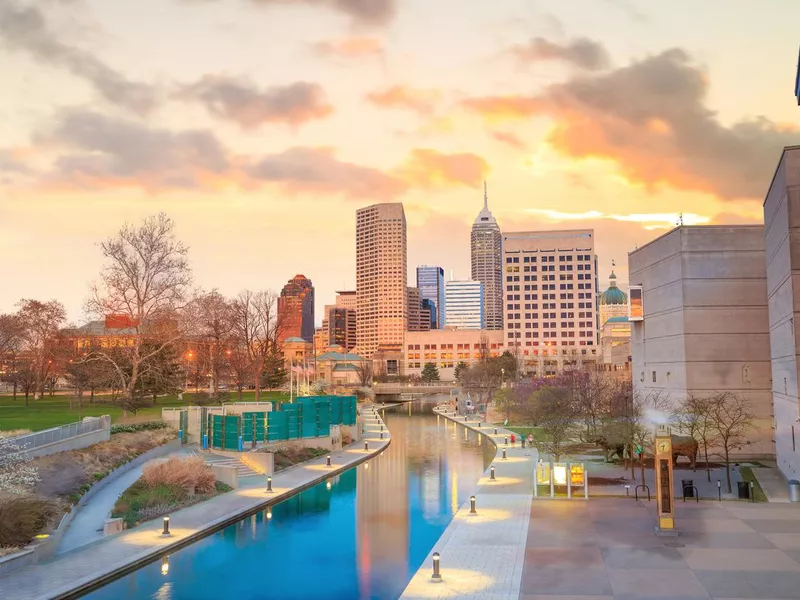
366,445
165,566
472,510
491,473
269,485
381,435
381,427
627,490
506,440
165,531
504,454
495,430
328,461
437,576
719,490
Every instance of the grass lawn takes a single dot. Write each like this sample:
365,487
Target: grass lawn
747,475
523,430
54,411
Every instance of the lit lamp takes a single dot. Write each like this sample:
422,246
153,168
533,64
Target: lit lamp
437,576
165,531
165,566
664,485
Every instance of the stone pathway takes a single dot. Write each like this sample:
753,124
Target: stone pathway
606,549
95,562
482,555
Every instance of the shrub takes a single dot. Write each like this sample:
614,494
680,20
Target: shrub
134,427
23,517
190,474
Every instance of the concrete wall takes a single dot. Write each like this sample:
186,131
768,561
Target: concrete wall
260,462
706,325
227,475
782,241
63,439
75,443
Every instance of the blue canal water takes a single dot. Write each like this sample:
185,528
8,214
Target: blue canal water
363,536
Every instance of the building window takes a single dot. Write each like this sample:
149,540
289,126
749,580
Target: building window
654,376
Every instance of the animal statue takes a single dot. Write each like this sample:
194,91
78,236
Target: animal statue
684,445
610,449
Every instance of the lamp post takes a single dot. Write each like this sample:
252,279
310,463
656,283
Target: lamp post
437,576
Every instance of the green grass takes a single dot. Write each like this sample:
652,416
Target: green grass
54,411
143,503
747,475
523,430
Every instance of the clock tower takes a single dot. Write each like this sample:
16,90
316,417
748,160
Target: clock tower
664,486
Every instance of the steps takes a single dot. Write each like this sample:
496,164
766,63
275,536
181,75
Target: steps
242,469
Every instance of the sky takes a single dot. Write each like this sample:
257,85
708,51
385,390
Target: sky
260,126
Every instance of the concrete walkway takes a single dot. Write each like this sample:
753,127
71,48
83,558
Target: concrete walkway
482,555
87,526
77,570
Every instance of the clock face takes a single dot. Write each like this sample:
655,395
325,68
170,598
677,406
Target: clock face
663,446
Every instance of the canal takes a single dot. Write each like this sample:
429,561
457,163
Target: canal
359,535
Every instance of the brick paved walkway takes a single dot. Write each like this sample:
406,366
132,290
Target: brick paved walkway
482,556
97,561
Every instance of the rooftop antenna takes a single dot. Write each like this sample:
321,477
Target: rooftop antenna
451,274
680,220
485,197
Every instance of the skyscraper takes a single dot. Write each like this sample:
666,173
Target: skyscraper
550,298
430,281
464,301
487,267
419,319
296,309
381,278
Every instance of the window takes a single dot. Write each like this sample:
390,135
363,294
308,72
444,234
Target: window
654,376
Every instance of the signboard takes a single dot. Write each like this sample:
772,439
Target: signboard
576,474
635,306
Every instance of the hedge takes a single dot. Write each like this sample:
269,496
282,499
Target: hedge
147,426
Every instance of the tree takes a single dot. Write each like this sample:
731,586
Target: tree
429,373
17,475
731,419
161,373
693,417
274,375
508,366
145,283
364,372
481,380
10,343
556,414
40,323
461,367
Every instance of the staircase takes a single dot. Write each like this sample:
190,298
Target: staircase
242,469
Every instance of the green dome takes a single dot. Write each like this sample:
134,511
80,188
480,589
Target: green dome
613,295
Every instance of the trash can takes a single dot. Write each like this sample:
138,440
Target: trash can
794,490
744,490
688,487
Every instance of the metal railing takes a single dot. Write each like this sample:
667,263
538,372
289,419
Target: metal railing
30,441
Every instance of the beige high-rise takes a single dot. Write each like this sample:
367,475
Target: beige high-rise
381,278
550,290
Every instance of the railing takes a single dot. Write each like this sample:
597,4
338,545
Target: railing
30,441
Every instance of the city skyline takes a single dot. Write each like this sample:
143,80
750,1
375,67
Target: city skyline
247,153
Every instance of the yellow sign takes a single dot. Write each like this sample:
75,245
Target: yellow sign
543,474
576,474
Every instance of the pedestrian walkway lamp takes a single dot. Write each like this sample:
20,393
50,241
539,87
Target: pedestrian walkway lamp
437,576
504,454
506,440
328,461
269,485
495,430
165,532
491,474
719,490
472,510
366,445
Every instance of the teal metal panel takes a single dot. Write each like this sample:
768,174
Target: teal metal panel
277,426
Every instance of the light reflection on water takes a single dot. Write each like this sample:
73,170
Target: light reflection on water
362,538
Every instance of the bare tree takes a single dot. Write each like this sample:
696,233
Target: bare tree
364,372
10,344
556,414
731,419
144,283
213,324
40,322
693,417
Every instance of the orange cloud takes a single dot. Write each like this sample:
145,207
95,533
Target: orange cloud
427,168
350,47
398,96
650,118
509,139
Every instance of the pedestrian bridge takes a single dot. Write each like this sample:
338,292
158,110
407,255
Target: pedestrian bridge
406,390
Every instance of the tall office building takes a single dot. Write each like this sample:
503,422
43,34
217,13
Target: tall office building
486,251
339,324
296,309
430,281
550,298
419,318
464,302
381,278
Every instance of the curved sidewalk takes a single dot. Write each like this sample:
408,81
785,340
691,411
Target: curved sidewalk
78,570
482,555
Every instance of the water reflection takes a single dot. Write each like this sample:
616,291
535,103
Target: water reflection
361,536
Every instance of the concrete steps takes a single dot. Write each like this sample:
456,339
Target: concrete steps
242,469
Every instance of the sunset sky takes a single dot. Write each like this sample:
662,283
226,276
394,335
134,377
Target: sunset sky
261,125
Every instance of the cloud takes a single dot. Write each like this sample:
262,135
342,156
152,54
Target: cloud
427,168
317,170
12,161
581,52
648,221
651,119
25,29
509,139
240,101
103,152
368,12
350,47
398,96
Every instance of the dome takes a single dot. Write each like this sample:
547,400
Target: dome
613,295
